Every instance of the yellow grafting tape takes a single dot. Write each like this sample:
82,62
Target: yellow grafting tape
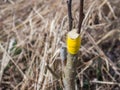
73,42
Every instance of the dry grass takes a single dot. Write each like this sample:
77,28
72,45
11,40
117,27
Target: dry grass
31,34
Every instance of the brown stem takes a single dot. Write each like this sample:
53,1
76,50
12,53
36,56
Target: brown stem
69,3
81,16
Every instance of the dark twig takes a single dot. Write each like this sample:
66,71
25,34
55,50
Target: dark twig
81,16
69,3
52,72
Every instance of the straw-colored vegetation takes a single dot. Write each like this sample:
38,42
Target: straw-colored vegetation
32,32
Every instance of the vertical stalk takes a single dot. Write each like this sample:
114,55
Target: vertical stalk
81,16
70,72
69,3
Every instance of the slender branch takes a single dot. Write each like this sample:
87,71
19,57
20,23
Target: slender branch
69,3
52,72
81,16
